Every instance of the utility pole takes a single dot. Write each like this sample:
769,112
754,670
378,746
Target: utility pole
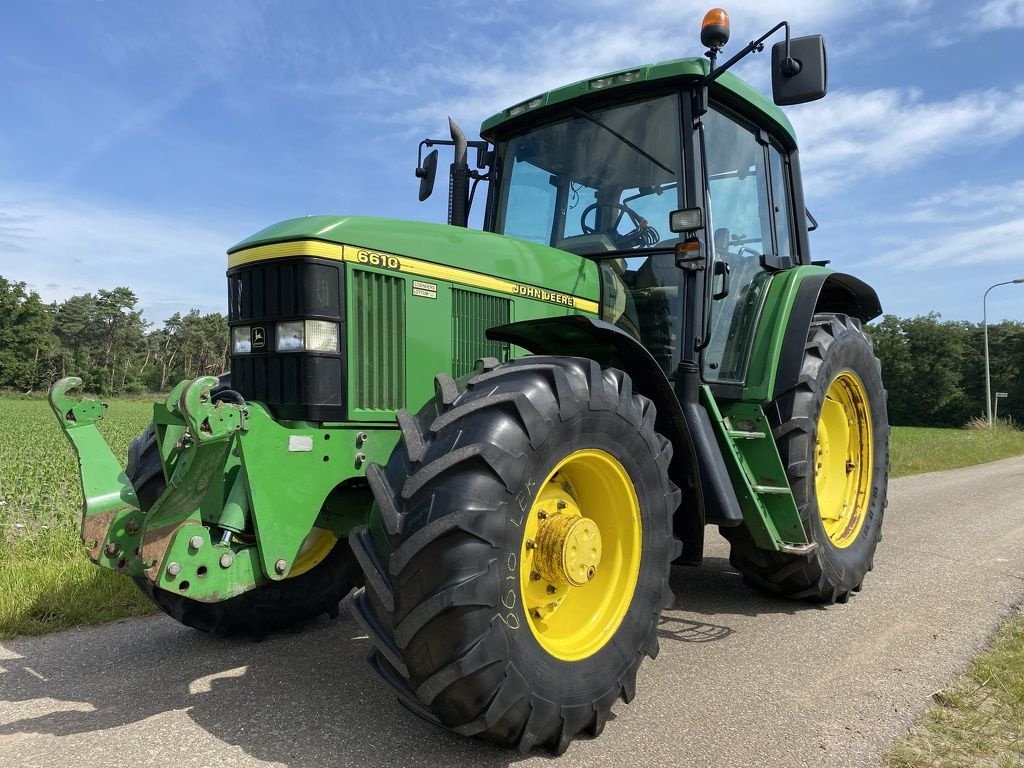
984,322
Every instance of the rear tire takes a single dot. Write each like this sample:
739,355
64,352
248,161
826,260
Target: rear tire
453,603
273,606
838,356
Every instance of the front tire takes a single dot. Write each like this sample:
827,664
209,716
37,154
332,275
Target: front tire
517,557
832,432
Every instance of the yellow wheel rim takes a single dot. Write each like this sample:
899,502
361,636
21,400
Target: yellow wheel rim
317,545
843,459
580,554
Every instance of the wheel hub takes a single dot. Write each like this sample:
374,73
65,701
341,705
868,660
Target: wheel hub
580,557
843,459
568,546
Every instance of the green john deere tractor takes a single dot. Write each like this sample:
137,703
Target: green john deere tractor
636,345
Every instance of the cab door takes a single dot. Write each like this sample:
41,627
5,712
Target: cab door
750,220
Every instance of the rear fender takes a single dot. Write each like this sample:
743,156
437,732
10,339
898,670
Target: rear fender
830,292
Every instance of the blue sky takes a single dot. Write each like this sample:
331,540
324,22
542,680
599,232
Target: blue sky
140,139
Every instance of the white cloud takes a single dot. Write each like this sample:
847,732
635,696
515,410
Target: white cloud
850,135
968,202
989,244
62,247
473,80
956,228
999,14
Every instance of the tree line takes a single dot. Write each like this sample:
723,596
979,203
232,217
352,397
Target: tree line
104,339
934,369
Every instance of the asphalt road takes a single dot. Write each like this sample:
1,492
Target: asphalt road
741,680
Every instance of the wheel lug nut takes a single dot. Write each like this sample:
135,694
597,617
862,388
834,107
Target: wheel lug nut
534,576
562,504
531,544
552,589
542,515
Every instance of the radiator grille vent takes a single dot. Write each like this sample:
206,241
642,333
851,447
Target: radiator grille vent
472,314
378,323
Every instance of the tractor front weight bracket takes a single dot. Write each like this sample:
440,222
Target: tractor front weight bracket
205,445
243,491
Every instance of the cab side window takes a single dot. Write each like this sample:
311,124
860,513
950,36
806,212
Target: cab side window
742,224
781,200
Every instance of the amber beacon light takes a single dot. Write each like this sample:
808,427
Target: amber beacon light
714,30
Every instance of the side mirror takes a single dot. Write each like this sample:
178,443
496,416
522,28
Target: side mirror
426,174
803,75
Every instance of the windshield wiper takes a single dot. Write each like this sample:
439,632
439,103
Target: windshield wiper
620,137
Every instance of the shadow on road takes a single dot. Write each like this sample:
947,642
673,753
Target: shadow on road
303,700
716,589
307,699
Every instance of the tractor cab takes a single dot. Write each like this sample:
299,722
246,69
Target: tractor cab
678,179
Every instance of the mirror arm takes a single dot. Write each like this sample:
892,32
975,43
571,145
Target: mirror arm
755,46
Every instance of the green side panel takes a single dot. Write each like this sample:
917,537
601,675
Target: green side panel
482,252
442,330
290,471
377,361
769,509
472,314
626,80
771,331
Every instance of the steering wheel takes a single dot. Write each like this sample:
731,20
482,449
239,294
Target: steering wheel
632,238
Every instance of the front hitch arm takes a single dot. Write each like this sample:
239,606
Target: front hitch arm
111,519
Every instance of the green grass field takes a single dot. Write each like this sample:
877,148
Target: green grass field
46,581
978,720
914,450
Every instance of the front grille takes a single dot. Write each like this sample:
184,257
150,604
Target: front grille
292,384
297,287
378,341
472,314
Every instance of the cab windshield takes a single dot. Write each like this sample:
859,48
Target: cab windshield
602,184
599,182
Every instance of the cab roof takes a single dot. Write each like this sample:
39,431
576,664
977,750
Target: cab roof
629,79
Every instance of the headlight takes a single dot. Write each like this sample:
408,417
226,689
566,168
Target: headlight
241,339
309,335
290,336
321,336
